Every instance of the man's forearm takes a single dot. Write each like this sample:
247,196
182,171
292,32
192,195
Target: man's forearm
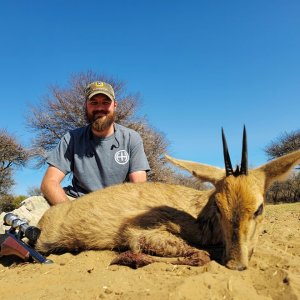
54,193
139,176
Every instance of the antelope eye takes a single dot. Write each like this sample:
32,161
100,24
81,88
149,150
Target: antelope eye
259,211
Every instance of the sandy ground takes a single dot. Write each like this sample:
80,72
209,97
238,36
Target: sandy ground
274,272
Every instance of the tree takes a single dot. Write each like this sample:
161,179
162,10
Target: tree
288,191
9,202
284,144
12,155
63,109
34,191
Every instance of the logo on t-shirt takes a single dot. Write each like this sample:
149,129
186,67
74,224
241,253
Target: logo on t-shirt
122,157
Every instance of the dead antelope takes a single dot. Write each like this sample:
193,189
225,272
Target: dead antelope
167,220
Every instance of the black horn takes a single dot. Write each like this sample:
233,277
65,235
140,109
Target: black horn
227,161
244,162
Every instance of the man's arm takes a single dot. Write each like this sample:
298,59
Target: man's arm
51,187
138,160
139,176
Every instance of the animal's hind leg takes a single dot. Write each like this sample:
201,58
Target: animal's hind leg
159,243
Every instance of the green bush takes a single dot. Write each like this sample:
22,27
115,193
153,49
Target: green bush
9,202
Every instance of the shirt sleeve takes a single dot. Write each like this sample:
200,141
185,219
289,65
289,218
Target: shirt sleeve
138,160
61,156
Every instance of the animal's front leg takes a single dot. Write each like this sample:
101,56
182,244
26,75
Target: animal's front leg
133,260
161,244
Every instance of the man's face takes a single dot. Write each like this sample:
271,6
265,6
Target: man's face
100,111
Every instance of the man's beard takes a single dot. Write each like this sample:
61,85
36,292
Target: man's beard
101,123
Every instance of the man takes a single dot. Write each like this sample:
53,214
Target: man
101,154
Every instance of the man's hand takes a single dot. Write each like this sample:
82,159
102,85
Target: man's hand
51,187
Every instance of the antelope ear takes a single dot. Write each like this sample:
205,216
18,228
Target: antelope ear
203,172
278,169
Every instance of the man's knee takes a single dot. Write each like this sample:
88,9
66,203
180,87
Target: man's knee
35,203
31,209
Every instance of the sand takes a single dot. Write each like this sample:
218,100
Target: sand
274,272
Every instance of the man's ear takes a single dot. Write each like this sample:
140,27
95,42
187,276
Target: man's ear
115,103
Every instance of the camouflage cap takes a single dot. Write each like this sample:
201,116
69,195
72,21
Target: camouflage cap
99,87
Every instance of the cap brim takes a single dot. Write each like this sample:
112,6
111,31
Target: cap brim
100,92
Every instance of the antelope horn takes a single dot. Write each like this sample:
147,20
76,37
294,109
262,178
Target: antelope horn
244,162
228,166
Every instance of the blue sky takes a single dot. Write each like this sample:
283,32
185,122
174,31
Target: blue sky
198,65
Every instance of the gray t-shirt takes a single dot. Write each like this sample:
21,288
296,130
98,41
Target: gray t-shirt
98,162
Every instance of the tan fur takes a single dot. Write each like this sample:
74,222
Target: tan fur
168,220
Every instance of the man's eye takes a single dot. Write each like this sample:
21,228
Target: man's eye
259,211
